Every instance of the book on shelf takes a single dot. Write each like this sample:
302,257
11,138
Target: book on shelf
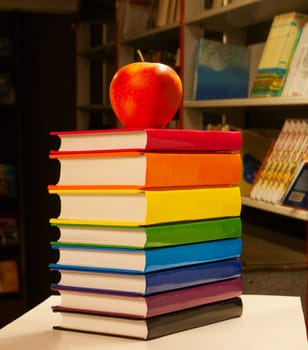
153,327
146,260
143,237
218,3
171,11
297,80
256,143
133,207
136,306
162,13
297,193
256,51
135,17
148,169
281,162
148,140
277,55
96,279
221,70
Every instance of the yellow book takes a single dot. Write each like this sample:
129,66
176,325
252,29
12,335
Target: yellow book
146,207
269,46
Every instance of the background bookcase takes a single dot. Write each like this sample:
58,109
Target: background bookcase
96,64
42,62
11,193
278,232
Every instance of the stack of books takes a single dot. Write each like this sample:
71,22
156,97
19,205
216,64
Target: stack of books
149,230
277,55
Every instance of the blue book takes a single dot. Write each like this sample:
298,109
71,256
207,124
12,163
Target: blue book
221,70
147,260
297,192
96,279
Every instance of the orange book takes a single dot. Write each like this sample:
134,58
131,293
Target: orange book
147,169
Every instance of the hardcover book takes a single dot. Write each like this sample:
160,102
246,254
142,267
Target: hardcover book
153,327
297,193
297,79
148,236
148,139
147,260
96,279
146,207
128,305
148,169
282,161
221,70
277,55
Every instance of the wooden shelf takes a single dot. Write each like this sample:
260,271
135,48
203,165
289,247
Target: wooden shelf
244,13
242,103
277,209
154,38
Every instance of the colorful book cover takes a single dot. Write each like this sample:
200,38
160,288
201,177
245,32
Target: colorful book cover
281,162
278,52
221,70
297,79
148,169
128,305
95,279
147,139
153,327
256,144
147,207
147,260
297,193
148,236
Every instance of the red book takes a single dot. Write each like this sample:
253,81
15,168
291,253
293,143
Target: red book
148,140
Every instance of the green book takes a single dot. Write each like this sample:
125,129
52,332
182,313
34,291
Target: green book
143,237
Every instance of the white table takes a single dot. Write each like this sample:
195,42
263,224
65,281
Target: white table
268,322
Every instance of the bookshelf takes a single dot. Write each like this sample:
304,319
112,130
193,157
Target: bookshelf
277,209
44,100
11,191
238,21
96,64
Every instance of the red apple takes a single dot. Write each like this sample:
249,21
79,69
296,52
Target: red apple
145,94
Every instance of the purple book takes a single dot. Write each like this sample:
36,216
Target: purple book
134,306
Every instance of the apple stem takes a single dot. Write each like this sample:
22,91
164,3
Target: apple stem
140,55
